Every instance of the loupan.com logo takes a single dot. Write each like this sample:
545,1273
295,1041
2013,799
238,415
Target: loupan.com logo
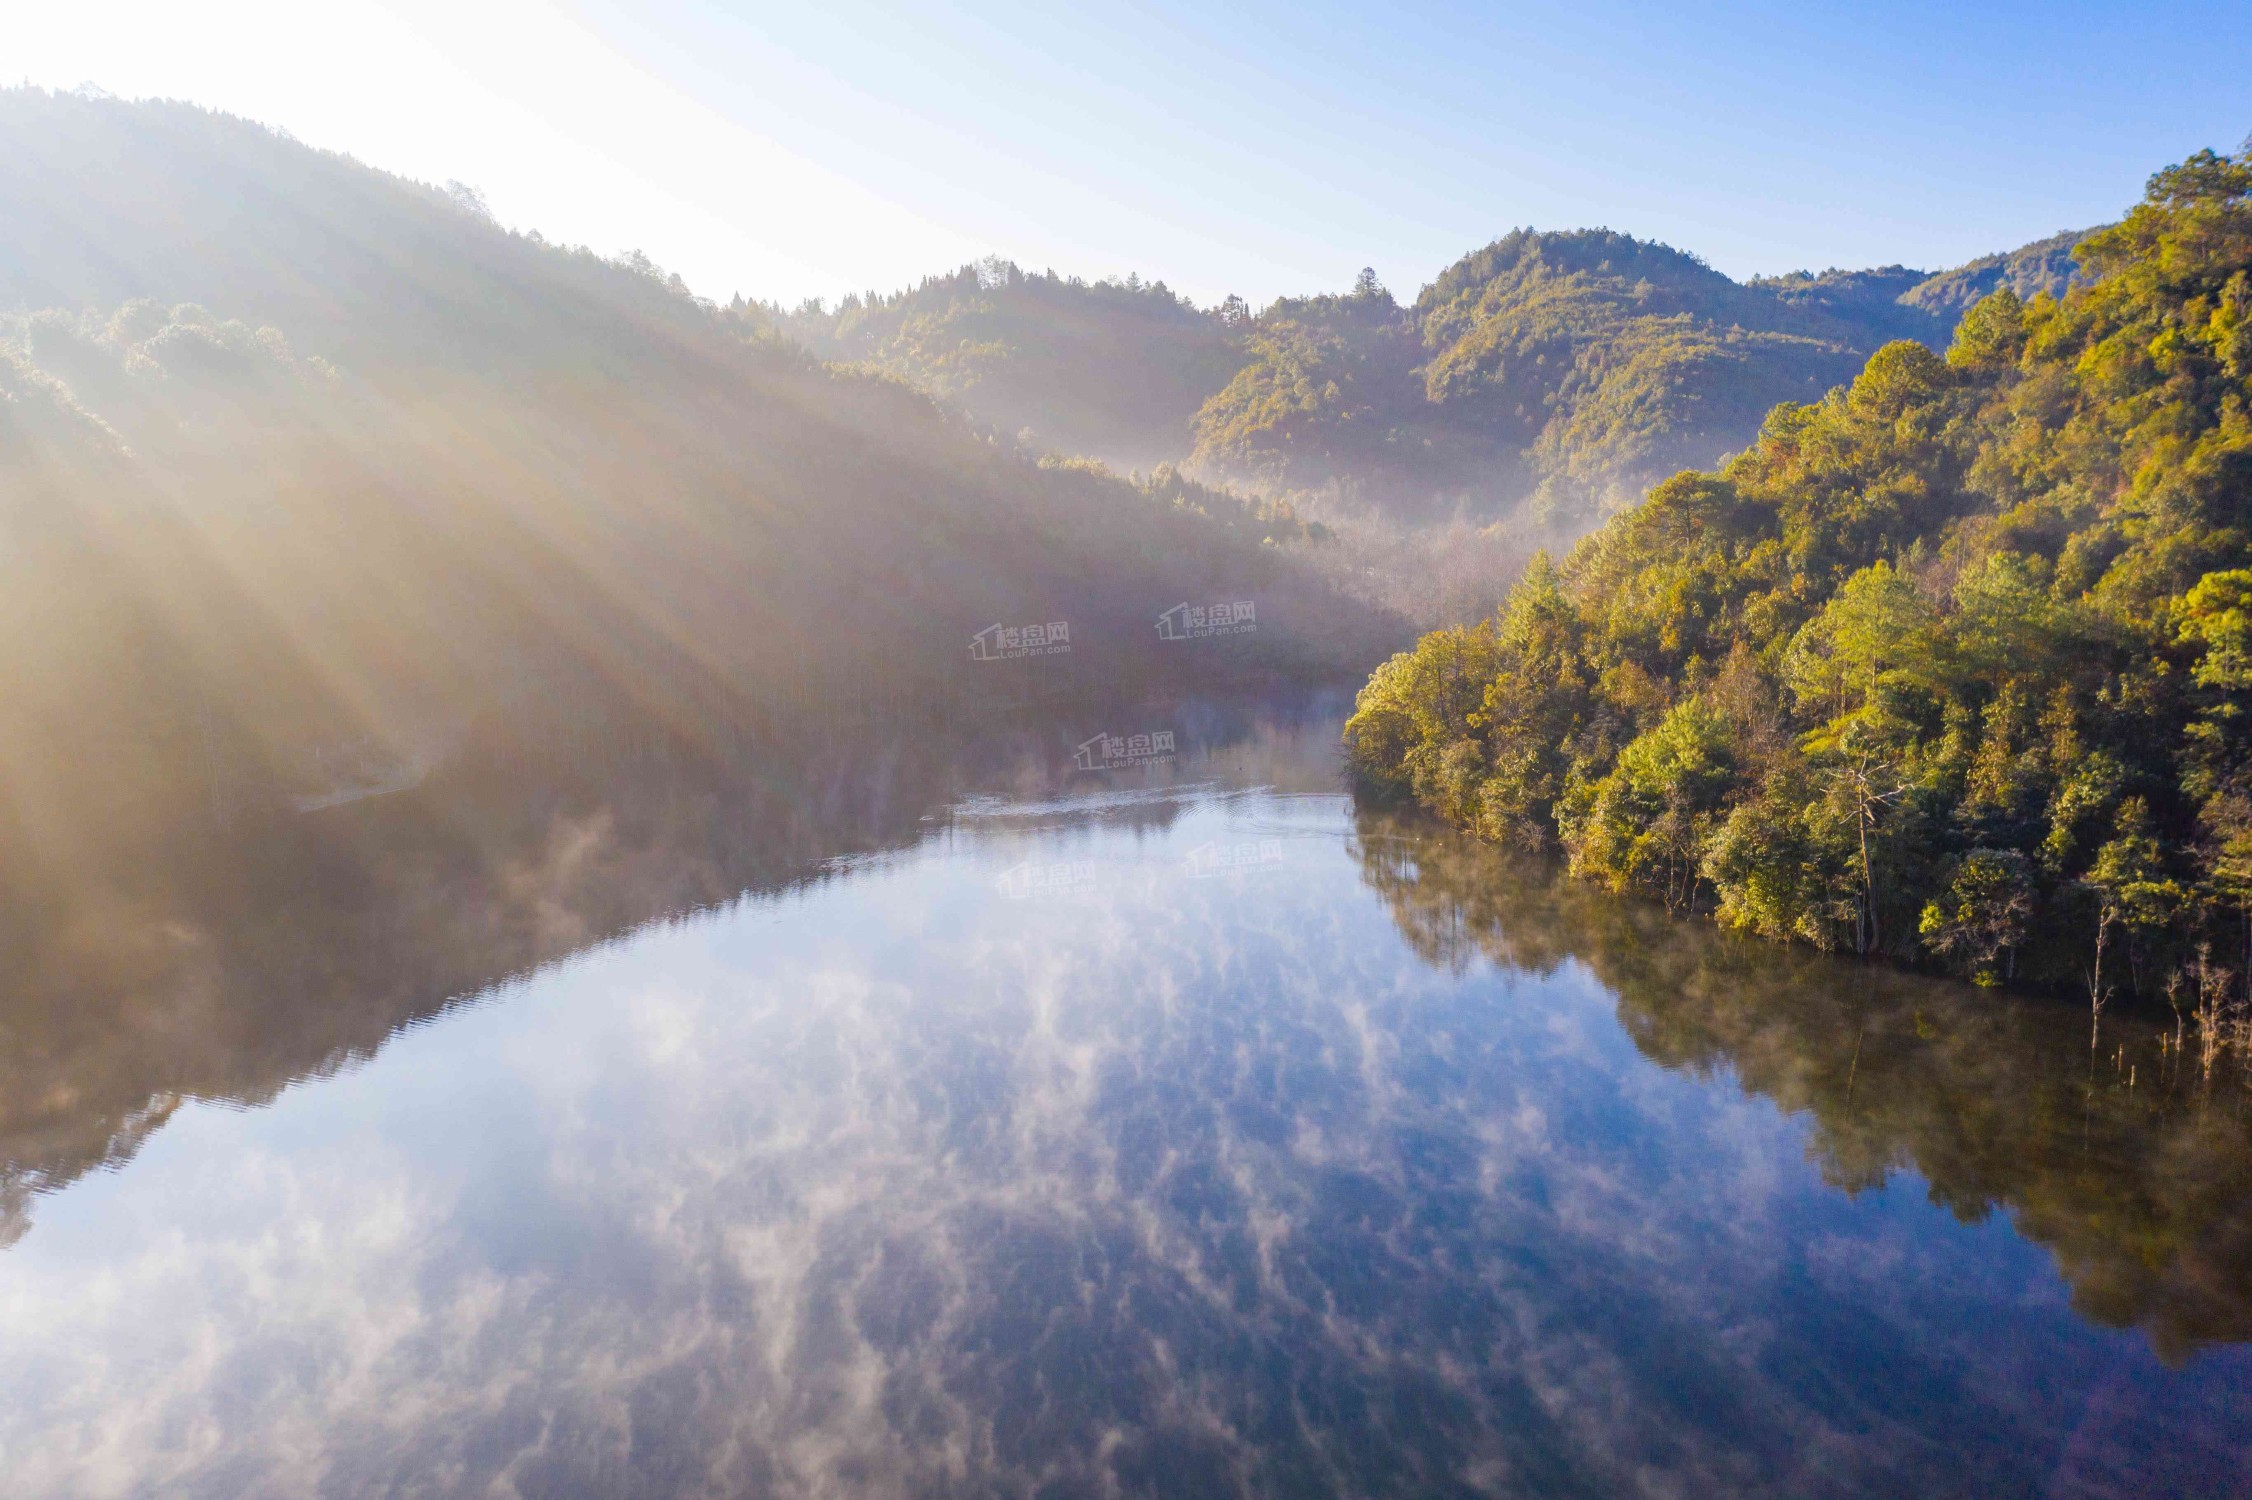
1038,878
1110,752
1208,860
1188,622
1015,642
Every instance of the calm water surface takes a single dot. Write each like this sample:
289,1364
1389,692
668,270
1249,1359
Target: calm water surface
1174,1132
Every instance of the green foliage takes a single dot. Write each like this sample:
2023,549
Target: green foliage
2217,616
1325,394
1984,914
1648,821
1945,655
2130,873
1564,369
2051,265
1579,365
1781,865
1576,366
1402,737
1874,627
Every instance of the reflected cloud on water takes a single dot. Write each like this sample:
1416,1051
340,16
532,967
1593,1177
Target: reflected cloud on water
1379,1167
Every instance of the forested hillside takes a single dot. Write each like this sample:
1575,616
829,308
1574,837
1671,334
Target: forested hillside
1560,371
1568,368
308,474
2043,266
1112,370
1954,664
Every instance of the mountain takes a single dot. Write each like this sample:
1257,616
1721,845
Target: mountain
309,474
1565,367
1952,665
1113,370
2048,265
1569,370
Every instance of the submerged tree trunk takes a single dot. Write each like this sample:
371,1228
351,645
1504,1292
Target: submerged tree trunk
1868,889
2096,996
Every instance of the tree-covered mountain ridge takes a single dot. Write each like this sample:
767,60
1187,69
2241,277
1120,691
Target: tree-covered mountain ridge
311,476
1569,369
1952,664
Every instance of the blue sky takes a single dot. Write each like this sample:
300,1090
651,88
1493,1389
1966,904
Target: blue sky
799,150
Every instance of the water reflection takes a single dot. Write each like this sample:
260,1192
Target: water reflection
2113,1150
347,927
1287,1152
291,947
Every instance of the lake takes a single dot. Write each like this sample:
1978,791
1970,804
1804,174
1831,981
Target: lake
1016,1121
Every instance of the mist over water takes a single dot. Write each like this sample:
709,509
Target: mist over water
932,1116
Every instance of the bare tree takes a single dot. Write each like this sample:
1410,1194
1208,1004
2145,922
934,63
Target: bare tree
1869,784
2099,993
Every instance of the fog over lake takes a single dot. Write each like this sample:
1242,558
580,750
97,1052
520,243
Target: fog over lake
1179,1130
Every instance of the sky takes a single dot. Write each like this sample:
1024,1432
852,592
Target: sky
813,149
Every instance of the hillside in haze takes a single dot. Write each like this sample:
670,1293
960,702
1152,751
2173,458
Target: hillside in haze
1115,370
1569,370
309,475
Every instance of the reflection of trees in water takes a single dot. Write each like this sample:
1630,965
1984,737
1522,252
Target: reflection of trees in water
2136,1174
1212,1195
303,943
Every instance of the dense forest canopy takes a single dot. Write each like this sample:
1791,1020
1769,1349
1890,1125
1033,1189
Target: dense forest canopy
2044,266
1568,370
307,472
1953,664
